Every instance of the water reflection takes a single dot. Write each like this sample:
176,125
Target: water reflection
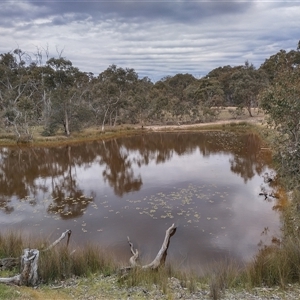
207,183
118,168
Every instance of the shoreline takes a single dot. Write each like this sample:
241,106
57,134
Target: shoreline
94,134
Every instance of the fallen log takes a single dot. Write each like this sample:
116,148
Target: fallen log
160,258
29,264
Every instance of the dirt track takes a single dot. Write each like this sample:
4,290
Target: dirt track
253,120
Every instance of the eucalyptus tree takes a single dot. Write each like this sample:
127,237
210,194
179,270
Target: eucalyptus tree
111,92
179,102
67,87
246,83
281,102
223,75
170,100
282,60
209,96
159,101
17,88
140,106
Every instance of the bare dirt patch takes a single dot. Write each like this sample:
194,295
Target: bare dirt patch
251,120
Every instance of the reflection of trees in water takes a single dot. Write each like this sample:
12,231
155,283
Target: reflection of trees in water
15,178
26,171
118,168
5,205
248,159
69,200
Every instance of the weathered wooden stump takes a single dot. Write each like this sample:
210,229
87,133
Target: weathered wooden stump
29,265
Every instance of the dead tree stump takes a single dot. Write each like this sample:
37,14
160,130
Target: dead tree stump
29,265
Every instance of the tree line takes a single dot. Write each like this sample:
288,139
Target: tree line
56,95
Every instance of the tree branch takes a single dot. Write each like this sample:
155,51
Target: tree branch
160,258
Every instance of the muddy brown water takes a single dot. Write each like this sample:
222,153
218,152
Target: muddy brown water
207,183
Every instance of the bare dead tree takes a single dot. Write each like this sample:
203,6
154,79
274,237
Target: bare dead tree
160,258
59,52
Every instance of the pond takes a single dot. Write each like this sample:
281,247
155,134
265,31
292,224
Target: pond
207,183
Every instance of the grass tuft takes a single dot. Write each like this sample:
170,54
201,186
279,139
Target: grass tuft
222,275
11,244
60,263
276,265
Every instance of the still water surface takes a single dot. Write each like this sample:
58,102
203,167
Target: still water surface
206,183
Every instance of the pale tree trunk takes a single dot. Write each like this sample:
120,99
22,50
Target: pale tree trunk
160,258
116,117
103,122
29,264
66,123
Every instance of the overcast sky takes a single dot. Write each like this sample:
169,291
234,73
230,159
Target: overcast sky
157,38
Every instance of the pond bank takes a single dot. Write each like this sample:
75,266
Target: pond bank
95,133
108,288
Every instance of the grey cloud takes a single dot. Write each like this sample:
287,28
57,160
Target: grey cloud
68,18
59,20
154,38
179,11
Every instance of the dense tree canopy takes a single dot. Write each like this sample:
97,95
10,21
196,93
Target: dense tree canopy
58,96
281,102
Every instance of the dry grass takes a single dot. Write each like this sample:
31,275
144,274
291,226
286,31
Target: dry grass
225,121
59,263
222,275
279,264
86,135
274,265
160,277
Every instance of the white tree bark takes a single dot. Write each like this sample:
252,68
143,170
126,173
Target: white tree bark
29,265
63,235
160,258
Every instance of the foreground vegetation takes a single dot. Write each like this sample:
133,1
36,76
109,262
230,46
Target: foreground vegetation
57,99
91,272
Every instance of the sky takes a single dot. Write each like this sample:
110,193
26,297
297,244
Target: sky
156,38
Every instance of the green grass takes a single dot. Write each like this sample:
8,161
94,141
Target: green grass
7,293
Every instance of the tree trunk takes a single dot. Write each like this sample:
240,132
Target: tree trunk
29,265
249,111
160,258
66,124
103,122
